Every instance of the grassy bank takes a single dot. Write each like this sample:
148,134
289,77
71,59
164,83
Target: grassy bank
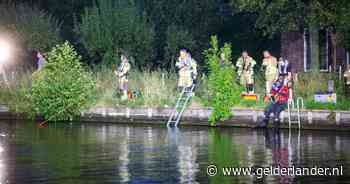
158,89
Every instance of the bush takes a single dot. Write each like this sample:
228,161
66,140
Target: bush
62,88
110,28
224,92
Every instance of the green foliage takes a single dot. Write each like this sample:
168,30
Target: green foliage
292,15
29,26
224,92
62,88
111,28
187,14
274,17
176,38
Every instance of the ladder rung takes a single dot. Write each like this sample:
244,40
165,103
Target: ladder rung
294,122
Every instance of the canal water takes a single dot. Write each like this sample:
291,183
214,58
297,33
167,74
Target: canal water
105,153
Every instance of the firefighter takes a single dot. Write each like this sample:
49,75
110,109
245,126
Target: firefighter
347,76
347,80
41,61
245,65
271,72
285,70
194,68
279,99
185,73
122,74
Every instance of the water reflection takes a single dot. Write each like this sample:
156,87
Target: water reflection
124,158
187,150
281,155
96,153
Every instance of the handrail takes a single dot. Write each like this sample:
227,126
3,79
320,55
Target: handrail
299,101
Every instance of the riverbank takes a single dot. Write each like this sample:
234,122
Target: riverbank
243,117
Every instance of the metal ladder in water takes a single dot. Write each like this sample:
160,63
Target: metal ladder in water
181,104
291,107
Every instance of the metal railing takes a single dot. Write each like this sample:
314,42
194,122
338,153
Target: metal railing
292,107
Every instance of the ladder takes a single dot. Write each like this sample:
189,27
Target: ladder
291,107
180,106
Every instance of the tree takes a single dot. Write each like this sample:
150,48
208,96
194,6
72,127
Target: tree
64,10
176,38
199,19
274,16
30,27
332,16
290,15
111,28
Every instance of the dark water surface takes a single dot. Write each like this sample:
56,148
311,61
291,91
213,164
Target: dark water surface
105,153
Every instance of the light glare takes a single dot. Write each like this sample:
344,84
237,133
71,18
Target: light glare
5,51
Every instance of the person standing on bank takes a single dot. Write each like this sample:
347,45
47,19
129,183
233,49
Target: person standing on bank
279,99
285,70
185,75
194,69
245,65
122,74
271,72
41,60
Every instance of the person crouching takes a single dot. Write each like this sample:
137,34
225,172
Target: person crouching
279,101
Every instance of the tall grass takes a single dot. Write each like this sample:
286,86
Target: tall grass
307,84
15,93
156,88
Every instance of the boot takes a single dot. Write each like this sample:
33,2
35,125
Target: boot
251,88
247,89
276,123
263,123
125,96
